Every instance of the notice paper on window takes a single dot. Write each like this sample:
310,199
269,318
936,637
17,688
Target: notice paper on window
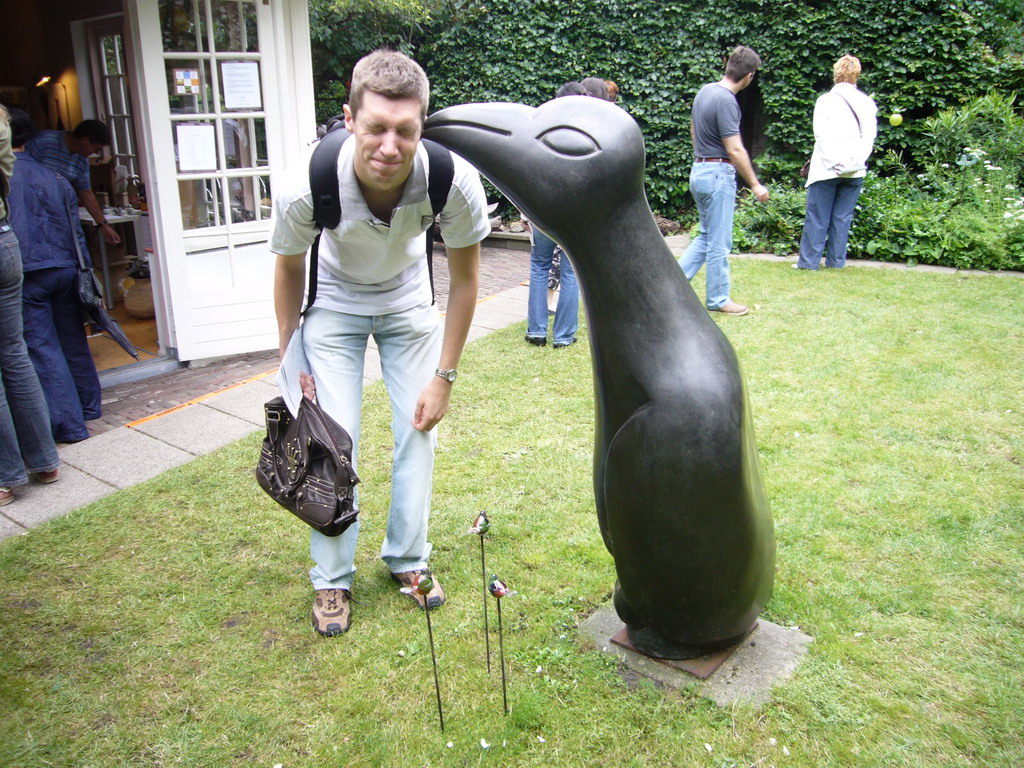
197,148
241,81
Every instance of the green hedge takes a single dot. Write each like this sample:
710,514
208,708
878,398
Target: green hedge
919,57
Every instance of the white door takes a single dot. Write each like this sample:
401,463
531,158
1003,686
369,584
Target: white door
227,102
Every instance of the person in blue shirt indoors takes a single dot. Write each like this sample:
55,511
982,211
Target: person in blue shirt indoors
44,213
373,281
26,445
67,153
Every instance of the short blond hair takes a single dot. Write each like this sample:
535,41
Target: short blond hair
392,75
846,70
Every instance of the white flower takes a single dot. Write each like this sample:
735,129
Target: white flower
541,739
484,744
945,165
1007,215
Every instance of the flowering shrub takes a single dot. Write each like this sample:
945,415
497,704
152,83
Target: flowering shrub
969,215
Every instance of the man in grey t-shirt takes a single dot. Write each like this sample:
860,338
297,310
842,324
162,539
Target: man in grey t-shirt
718,154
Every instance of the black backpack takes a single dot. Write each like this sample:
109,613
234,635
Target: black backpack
323,183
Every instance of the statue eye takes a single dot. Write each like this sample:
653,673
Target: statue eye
569,141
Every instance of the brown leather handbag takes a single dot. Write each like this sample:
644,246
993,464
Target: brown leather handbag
305,466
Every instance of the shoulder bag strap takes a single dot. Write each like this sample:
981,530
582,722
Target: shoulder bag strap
859,129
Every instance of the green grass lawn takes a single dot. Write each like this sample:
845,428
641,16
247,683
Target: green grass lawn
168,624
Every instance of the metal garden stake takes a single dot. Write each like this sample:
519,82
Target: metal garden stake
500,589
423,586
481,525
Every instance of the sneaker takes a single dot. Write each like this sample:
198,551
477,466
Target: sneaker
537,341
732,308
331,612
6,496
563,344
47,477
409,579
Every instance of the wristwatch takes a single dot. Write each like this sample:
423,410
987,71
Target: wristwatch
448,375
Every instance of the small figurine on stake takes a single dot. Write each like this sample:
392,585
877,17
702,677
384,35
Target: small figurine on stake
481,525
499,589
423,585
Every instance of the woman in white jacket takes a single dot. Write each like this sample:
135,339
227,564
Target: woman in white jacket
845,127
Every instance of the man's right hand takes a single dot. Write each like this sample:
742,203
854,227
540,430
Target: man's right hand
760,192
307,385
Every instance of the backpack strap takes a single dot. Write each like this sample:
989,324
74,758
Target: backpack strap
440,174
323,186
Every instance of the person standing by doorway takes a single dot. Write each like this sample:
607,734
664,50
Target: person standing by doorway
718,154
67,153
373,281
26,446
45,219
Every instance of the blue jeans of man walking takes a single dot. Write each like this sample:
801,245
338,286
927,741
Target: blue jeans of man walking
409,344
60,351
713,186
567,310
829,215
26,445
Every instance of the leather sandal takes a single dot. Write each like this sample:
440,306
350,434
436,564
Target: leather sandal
409,579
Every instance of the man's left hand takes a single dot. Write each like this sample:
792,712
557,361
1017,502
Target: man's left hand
432,404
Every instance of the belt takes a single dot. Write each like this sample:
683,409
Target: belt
712,160
5,225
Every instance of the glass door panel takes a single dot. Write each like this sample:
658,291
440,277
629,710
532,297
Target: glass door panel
213,66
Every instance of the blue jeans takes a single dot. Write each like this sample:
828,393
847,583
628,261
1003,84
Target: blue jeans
567,311
409,344
713,186
830,205
60,351
25,441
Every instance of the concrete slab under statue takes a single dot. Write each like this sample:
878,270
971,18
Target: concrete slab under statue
677,483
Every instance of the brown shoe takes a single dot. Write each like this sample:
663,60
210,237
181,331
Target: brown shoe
47,477
409,579
331,612
732,308
6,496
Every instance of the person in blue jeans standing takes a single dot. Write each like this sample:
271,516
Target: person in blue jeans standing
373,281
567,310
718,154
845,126
44,214
26,446
542,252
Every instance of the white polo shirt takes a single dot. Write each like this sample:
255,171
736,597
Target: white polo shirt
368,267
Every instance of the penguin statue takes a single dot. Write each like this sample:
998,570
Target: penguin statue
677,483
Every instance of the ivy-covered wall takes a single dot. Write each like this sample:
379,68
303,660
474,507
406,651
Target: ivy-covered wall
919,56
